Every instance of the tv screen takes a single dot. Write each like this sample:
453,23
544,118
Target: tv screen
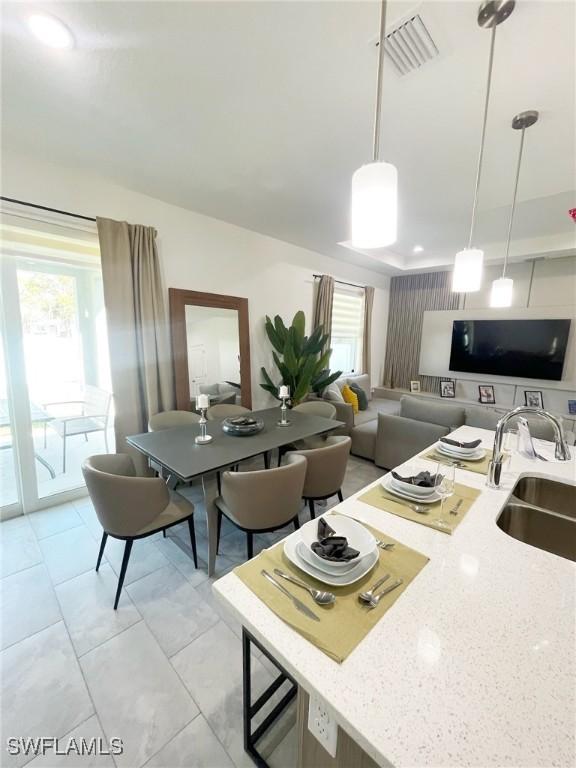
531,349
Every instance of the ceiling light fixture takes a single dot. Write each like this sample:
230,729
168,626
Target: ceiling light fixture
467,275
503,287
418,249
375,185
50,31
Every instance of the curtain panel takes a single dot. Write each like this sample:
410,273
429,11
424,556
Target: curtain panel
323,300
410,297
367,337
138,337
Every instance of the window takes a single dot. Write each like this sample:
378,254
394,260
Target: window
347,329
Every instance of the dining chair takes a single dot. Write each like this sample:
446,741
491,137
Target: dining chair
316,408
326,468
170,419
95,409
263,500
130,507
225,410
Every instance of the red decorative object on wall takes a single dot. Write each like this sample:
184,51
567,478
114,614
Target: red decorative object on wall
572,213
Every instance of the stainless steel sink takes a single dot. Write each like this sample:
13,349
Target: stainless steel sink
542,513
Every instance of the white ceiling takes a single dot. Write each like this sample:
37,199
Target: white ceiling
258,113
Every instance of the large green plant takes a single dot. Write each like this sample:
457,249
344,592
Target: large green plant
302,360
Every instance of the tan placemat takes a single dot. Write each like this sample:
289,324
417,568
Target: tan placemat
470,466
459,503
346,622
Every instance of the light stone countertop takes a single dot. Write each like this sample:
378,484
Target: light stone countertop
474,665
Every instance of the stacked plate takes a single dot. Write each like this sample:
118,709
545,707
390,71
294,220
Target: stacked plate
466,454
298,550
418,493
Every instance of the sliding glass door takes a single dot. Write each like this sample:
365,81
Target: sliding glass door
55,406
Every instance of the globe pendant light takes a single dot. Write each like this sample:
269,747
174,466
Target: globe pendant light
467,275
503,287
375,185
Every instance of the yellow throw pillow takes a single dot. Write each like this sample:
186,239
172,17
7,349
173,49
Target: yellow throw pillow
350,397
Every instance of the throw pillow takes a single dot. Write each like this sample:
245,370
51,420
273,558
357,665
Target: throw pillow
350,397
333,393
361,395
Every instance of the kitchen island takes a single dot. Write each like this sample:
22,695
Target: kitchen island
474,665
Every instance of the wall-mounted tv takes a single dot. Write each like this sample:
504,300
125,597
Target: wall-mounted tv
530,349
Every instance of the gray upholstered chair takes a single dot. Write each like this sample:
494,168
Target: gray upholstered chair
264,500
130,507
317,408
326,468
170,419
225,410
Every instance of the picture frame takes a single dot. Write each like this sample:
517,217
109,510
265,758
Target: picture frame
414,386
486,394
447,388
572,406
533,398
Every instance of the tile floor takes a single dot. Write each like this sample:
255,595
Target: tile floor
163,673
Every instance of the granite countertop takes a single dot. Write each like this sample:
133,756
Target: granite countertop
474,665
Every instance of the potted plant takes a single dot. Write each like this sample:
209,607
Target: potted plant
301,360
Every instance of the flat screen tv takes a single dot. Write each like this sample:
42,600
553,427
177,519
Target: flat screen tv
531,349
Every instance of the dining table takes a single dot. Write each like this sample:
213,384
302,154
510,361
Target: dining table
183,460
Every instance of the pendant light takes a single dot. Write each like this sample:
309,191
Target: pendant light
375,185
502,288
467,275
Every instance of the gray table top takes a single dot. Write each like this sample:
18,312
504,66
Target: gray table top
176,450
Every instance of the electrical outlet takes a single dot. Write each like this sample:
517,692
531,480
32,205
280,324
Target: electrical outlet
322,725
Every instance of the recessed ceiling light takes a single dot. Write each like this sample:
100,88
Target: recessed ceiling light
418,249
50,31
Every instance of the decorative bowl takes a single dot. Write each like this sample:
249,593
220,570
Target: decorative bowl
242,426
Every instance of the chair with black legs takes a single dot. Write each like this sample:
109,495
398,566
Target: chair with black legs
264,500
130,507
326,468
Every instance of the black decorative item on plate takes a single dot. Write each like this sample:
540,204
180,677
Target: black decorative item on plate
242,426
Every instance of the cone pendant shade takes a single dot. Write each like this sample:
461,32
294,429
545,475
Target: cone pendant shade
374,205
467,274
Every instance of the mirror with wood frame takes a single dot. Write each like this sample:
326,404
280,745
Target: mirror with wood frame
210,348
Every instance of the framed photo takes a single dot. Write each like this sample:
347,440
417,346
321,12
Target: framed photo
447,389
572,406
414,386
486,392
533,398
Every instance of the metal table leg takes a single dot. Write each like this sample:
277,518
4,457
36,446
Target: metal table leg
210,488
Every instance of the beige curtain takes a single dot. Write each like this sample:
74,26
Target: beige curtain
323,298
368,304
138,338
410,297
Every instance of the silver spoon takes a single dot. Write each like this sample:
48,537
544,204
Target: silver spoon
418,508
322,598
366,597
376,599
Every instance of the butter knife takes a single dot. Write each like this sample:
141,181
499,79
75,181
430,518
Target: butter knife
454,510
297,603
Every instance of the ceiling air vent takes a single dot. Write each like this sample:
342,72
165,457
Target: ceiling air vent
410,45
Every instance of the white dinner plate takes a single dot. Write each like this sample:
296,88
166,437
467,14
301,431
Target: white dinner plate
337,580
326,566
386,483
456,453
359,538
414,490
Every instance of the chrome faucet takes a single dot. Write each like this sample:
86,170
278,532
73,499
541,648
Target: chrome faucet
562,451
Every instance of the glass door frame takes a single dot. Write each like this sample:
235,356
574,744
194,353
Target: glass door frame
19,401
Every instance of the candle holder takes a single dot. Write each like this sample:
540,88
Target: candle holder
203,438
283,410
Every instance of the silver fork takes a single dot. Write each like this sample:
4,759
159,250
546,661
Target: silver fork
376,599
366,597
418,508
386,545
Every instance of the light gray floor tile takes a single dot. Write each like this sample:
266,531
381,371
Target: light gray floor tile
211,667
69,554
145,558
194,747
285,755
53,520
88,730
18,546
43,692
137,694
27,604
207,594
87,603
89,518
173,610
179,553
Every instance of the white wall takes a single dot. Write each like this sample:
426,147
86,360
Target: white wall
204,254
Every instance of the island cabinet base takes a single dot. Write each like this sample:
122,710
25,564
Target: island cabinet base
311,754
